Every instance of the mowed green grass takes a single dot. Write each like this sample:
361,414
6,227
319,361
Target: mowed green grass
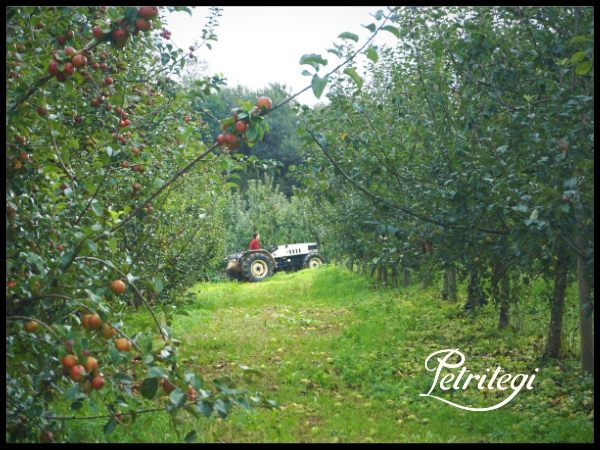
346,364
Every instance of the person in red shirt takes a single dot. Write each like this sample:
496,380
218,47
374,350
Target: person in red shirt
255,242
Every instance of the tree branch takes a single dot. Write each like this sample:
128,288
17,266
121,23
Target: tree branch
38,321
91,199
396,205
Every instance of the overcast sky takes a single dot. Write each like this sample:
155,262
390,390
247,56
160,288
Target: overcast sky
262,44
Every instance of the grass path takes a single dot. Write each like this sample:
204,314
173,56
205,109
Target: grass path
346,364
288,328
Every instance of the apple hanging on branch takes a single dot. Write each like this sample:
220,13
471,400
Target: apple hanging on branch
118,287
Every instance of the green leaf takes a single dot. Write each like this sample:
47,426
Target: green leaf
355,77
318,85
521,208
458,57
570,183
335,52
313,59
243,403
371,27
68,192
252,132
35,260
130,13
149,387
67,258
115,355
583,68
123,378
97,208
222,408
193,411
372,54
578,39
534,215
184,8
577,57
273,404
109,427
190,437
112,245
565,208
155,372
306,73
392,30
157,285
66,155
177,398
204,408
191,378
348,35
379,14
72,392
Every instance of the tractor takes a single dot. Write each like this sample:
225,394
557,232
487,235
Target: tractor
256,265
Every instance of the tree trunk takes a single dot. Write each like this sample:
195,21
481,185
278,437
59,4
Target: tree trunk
553,345
445,286
449,284
385,275
586,310
395,277
406,281
425,278
379,274
452,293
504,298
474,291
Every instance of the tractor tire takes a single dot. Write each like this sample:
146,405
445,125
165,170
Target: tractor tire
233,276
313,260
257,267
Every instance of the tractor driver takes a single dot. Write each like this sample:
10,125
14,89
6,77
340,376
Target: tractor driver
255,242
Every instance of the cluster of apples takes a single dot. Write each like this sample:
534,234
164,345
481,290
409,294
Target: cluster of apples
64,62
229,139
120,35
87,372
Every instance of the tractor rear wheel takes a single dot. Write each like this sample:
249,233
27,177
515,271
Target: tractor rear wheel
313,260
257,267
